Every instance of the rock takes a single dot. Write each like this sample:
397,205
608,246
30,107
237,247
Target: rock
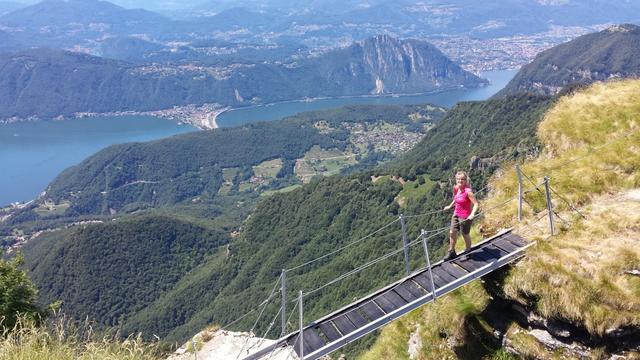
536,320
415,343
227,345
552,343
558,329
476,163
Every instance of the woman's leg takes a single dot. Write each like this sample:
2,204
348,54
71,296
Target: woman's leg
453,237
466,230
467,241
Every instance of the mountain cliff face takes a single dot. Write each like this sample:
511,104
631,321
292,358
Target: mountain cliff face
393,66
611,53
48,83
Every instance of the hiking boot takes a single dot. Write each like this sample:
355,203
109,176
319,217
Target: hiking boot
450,255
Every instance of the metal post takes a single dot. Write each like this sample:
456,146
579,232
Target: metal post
519,173
549,204
426,254
300,337
405,244
283,292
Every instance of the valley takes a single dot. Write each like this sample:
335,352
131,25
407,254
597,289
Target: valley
178,174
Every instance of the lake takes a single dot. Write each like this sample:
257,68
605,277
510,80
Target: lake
498,79
33,153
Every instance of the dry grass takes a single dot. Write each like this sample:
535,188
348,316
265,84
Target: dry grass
61,340
580,274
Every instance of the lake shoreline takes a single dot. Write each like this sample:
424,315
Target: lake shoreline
238,116
363,96
204,117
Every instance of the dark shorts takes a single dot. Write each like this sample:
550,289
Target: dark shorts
460,224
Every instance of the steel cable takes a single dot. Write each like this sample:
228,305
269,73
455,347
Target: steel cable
341,248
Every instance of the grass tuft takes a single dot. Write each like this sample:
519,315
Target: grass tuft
60,339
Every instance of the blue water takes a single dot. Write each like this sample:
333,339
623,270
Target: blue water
498,79
33,153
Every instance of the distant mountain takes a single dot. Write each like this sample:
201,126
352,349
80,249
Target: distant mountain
611,53
48,83
8,6
129,48
199,52
479,19
8,42
68,23
241,17
57,15
384,64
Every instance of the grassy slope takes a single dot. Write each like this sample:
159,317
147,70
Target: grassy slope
577,275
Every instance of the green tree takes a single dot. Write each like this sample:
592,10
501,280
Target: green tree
17,293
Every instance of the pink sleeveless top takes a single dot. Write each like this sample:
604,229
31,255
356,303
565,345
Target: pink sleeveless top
462,202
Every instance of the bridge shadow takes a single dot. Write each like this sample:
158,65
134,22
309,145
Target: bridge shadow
483,332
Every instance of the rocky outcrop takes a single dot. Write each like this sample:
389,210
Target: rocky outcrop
522,331
226,345
405,66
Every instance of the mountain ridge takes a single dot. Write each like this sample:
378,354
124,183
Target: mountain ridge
381,65
608,54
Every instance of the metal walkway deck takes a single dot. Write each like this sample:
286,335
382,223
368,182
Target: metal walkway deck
385,305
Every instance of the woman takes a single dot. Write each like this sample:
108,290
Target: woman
463,214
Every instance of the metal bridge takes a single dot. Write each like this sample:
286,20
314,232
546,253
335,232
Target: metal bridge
361,317
375,310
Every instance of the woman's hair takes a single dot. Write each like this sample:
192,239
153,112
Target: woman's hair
466,177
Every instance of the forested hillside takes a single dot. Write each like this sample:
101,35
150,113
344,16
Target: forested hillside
157,169
165,172
291,228
110,271
477,136
168,171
